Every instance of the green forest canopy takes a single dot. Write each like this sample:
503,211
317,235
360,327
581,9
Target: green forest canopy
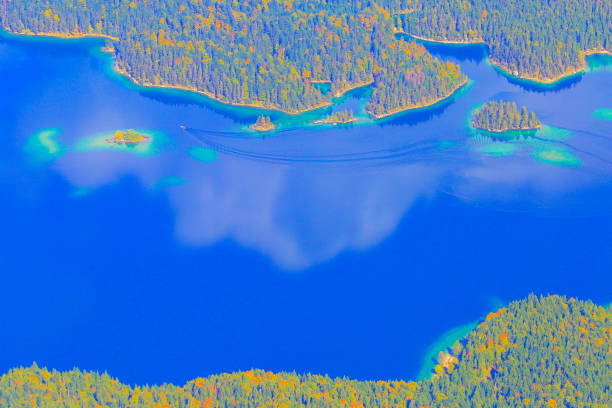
538,352
534,39
269,53
501,116
265,53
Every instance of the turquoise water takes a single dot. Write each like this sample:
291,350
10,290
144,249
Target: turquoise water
345,250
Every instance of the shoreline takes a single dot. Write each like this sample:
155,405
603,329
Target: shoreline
262,129
209,95
117,68
420,106
63,36
120,70
124,73
506,130
334,122
347,89
508,71
477,41
584,66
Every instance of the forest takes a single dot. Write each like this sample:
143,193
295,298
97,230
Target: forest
541,40
263,124
338,117
424,80
271,53
261,53
543,351
500,116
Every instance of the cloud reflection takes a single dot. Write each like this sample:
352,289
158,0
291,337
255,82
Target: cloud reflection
296,214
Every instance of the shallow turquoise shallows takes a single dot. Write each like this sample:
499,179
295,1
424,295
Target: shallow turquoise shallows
344,250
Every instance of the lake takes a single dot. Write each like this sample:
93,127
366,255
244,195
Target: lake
342,250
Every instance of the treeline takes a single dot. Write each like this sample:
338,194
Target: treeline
539,352
500,116
338,117
341,116
265,53
537,39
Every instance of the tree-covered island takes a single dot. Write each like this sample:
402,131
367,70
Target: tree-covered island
500,116
128,137
337,118
260,53
550,352
263,124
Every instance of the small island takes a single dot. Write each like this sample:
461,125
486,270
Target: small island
337,118
128,137
500,116
263,124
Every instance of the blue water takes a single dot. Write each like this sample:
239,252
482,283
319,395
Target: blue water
345,251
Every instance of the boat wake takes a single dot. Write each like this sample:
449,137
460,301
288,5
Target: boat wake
392,155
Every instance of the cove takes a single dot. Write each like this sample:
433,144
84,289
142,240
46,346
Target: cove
339,250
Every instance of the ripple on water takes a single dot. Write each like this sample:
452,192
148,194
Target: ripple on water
44,146
553,133
496,144
498,149
446,144
542,143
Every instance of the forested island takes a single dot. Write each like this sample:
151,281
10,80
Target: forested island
128,137
337,118
261,53
263,124
538,352
539,40
500,116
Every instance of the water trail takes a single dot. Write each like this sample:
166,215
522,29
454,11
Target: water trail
374,157
574,148
483,139
235,134
589,133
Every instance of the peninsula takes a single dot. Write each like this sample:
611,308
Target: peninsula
500,116
241,53
535,40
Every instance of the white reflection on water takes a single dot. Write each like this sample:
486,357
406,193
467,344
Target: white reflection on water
300,212
298,216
